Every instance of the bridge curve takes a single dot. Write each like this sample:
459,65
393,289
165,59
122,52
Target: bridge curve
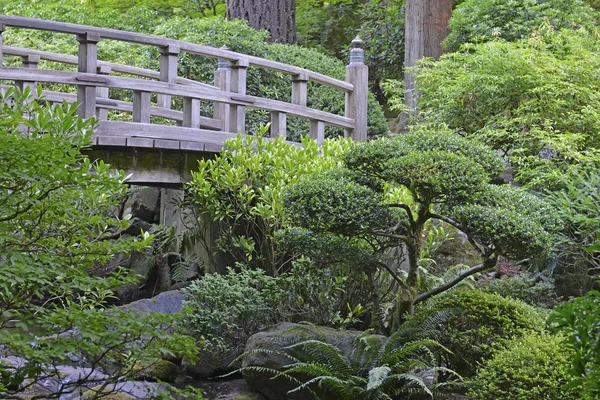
188,134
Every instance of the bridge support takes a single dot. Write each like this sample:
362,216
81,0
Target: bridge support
88,63
357,73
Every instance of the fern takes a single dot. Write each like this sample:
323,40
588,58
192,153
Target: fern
380,368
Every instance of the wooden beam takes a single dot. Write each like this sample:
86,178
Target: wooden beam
102,92
237,117
141,107
87,63
191,113
317,131
299,89
278,124
168,70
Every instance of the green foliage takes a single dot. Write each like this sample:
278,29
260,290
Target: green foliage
531,367
536,292
55,228
225,310
379,368
579,320
534,101
477,322
241,191
477,21
392,189
578,205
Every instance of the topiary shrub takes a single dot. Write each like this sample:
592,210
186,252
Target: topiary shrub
477,323
532,367
484,20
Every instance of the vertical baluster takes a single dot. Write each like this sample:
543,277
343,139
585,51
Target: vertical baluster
2,28
168,70
223,82
88,60
29,61
141,107
299,89
102,92
357,73
278,124
191,113
238,85
317,131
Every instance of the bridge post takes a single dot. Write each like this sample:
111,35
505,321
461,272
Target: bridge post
223,82
317,131
168,70
357,73
29,61
88,63
238,85
102,92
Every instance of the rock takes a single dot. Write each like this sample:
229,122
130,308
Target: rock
169,302
277,338
157,370
140,264
200,370
126,390
137,226
144,204
236,389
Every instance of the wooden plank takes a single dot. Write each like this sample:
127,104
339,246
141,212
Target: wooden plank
166,144
87,63
140,142
102,93
192,146
141,107
2,27
111,141
221,110
317,131
184,91
119,105
278,124
131,129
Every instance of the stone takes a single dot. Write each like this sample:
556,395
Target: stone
235,389
137,226
156,370
145,205
277,338
170,302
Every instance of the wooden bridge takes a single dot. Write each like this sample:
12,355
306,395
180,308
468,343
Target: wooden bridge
164,153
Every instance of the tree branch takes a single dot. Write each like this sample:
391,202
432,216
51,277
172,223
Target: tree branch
490,263
389,235
446,219
406,208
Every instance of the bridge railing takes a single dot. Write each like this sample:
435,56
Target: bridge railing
93,80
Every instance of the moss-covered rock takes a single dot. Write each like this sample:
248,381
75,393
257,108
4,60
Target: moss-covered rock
156,370
97,390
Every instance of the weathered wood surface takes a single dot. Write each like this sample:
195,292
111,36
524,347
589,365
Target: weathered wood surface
153,91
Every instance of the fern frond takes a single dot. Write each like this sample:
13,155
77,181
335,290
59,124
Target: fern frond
377,376
326,354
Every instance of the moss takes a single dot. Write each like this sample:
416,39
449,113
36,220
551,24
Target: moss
97,390
156,370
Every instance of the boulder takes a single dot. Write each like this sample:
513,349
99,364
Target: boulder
145,205
236,389
157,370
170,302
277,338
137,226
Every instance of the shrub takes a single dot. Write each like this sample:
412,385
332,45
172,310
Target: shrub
483,20
579,320
534,101
538,293
531,367
478,321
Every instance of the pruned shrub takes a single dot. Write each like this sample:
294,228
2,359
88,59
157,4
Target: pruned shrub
477,323
531,367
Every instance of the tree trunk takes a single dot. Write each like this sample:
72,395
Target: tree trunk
426,29
276,16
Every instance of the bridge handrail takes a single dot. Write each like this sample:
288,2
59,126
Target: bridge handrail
93,81
150,40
